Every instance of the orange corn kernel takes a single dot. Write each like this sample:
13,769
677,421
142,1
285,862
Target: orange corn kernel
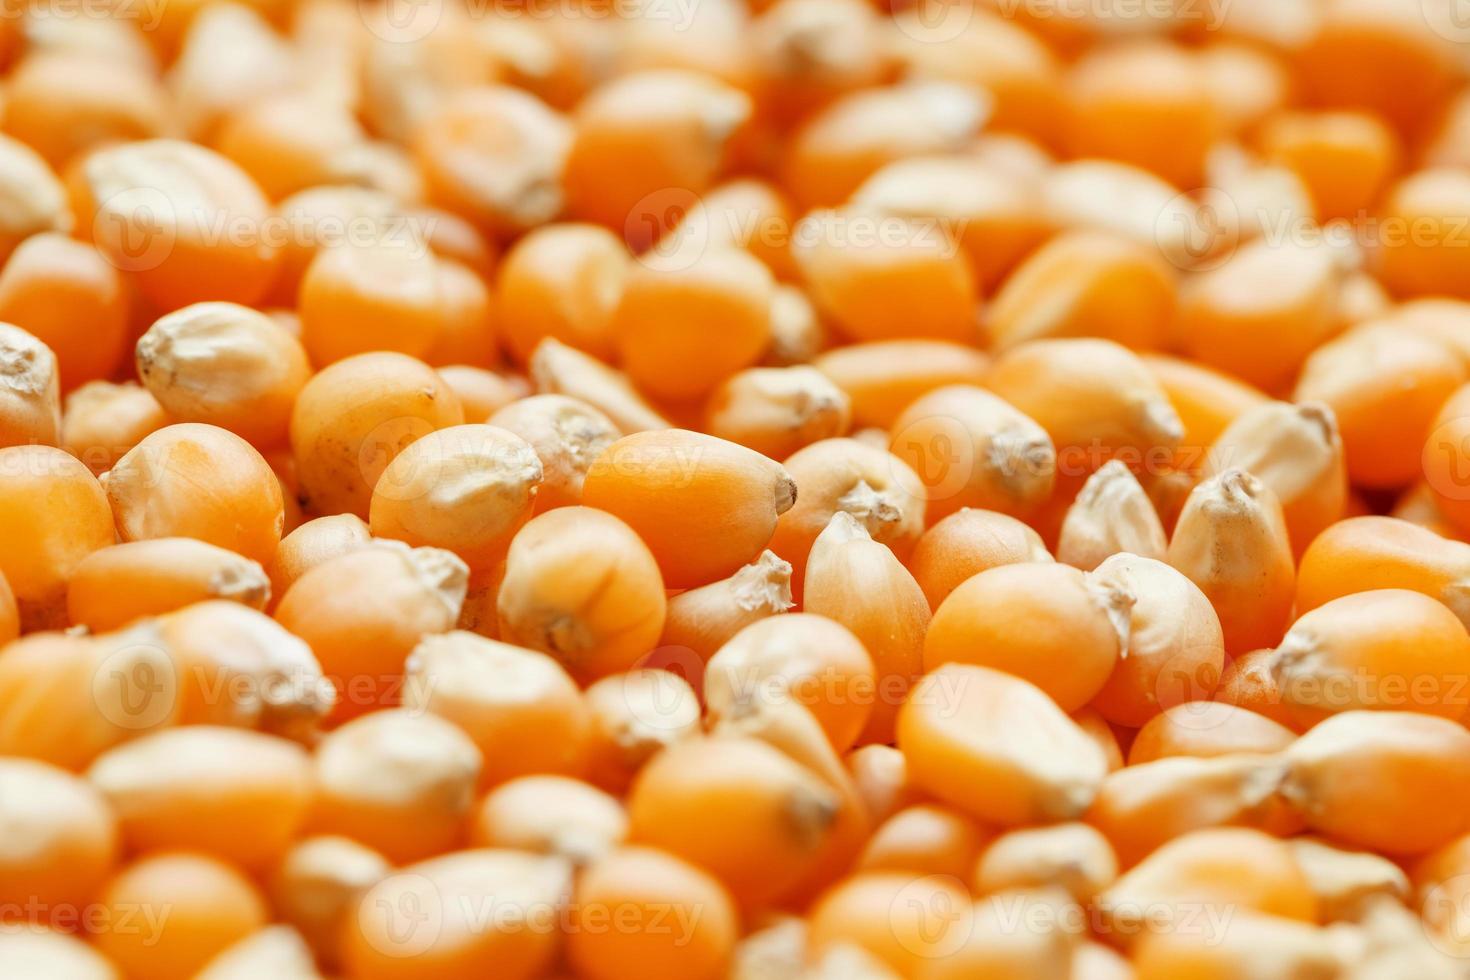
1085,284
1111,515
482,392
1238,950
707,782
466,488
684,324
845,476
1071,856
66,699
1427,258
1345,159
1207,400
114,586
1295,450
225,365
1248,682
1401,71
169,791
399,781
844,144
884,277
363,612
314,542
972,449
1444,459
70,836
210,907
859,583
393,294
101,421
30,390
742,213
992,52
494,154
199,481
666,484
1422,757
993,213
550,815
317,885
354,416
1363,553
520,708
64,103
1385,387
529,890
567,435
1146,103
924,840
53,514
1261,312
635,716
1204,872
289,142
645,140
966,543
799,657
580,585
809,52
183,256
777,410
997,747
1143,807
1385,649
1175,649
879,776
1231,541
562,281
638,886
702,620
73,300
1206,729
904,920
884,377
1094,398
1046,623
238,667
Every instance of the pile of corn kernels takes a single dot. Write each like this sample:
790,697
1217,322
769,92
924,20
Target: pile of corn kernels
734,490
